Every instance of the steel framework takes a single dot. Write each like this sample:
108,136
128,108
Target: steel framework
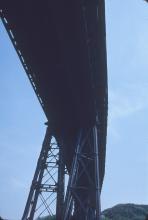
46,196
82,200
83,197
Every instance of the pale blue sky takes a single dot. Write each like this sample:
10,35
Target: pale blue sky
22,119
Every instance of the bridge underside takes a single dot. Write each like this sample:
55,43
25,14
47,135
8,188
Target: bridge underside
62,47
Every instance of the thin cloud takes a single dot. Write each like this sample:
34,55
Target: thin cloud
18,184
124,102
128,100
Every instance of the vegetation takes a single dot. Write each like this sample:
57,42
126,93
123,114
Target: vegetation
126,212
47,218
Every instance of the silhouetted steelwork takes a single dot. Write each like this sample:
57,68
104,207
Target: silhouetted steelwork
12,38
62,47
62,172
83,192
46,195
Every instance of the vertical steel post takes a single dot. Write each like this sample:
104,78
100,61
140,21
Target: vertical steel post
97,176
60,185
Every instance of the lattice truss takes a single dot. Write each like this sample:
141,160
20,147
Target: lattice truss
47,182
83,192
47,201
82,200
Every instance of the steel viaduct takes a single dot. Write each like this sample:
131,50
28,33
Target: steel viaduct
62,47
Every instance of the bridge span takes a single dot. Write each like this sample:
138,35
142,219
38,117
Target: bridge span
62,47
